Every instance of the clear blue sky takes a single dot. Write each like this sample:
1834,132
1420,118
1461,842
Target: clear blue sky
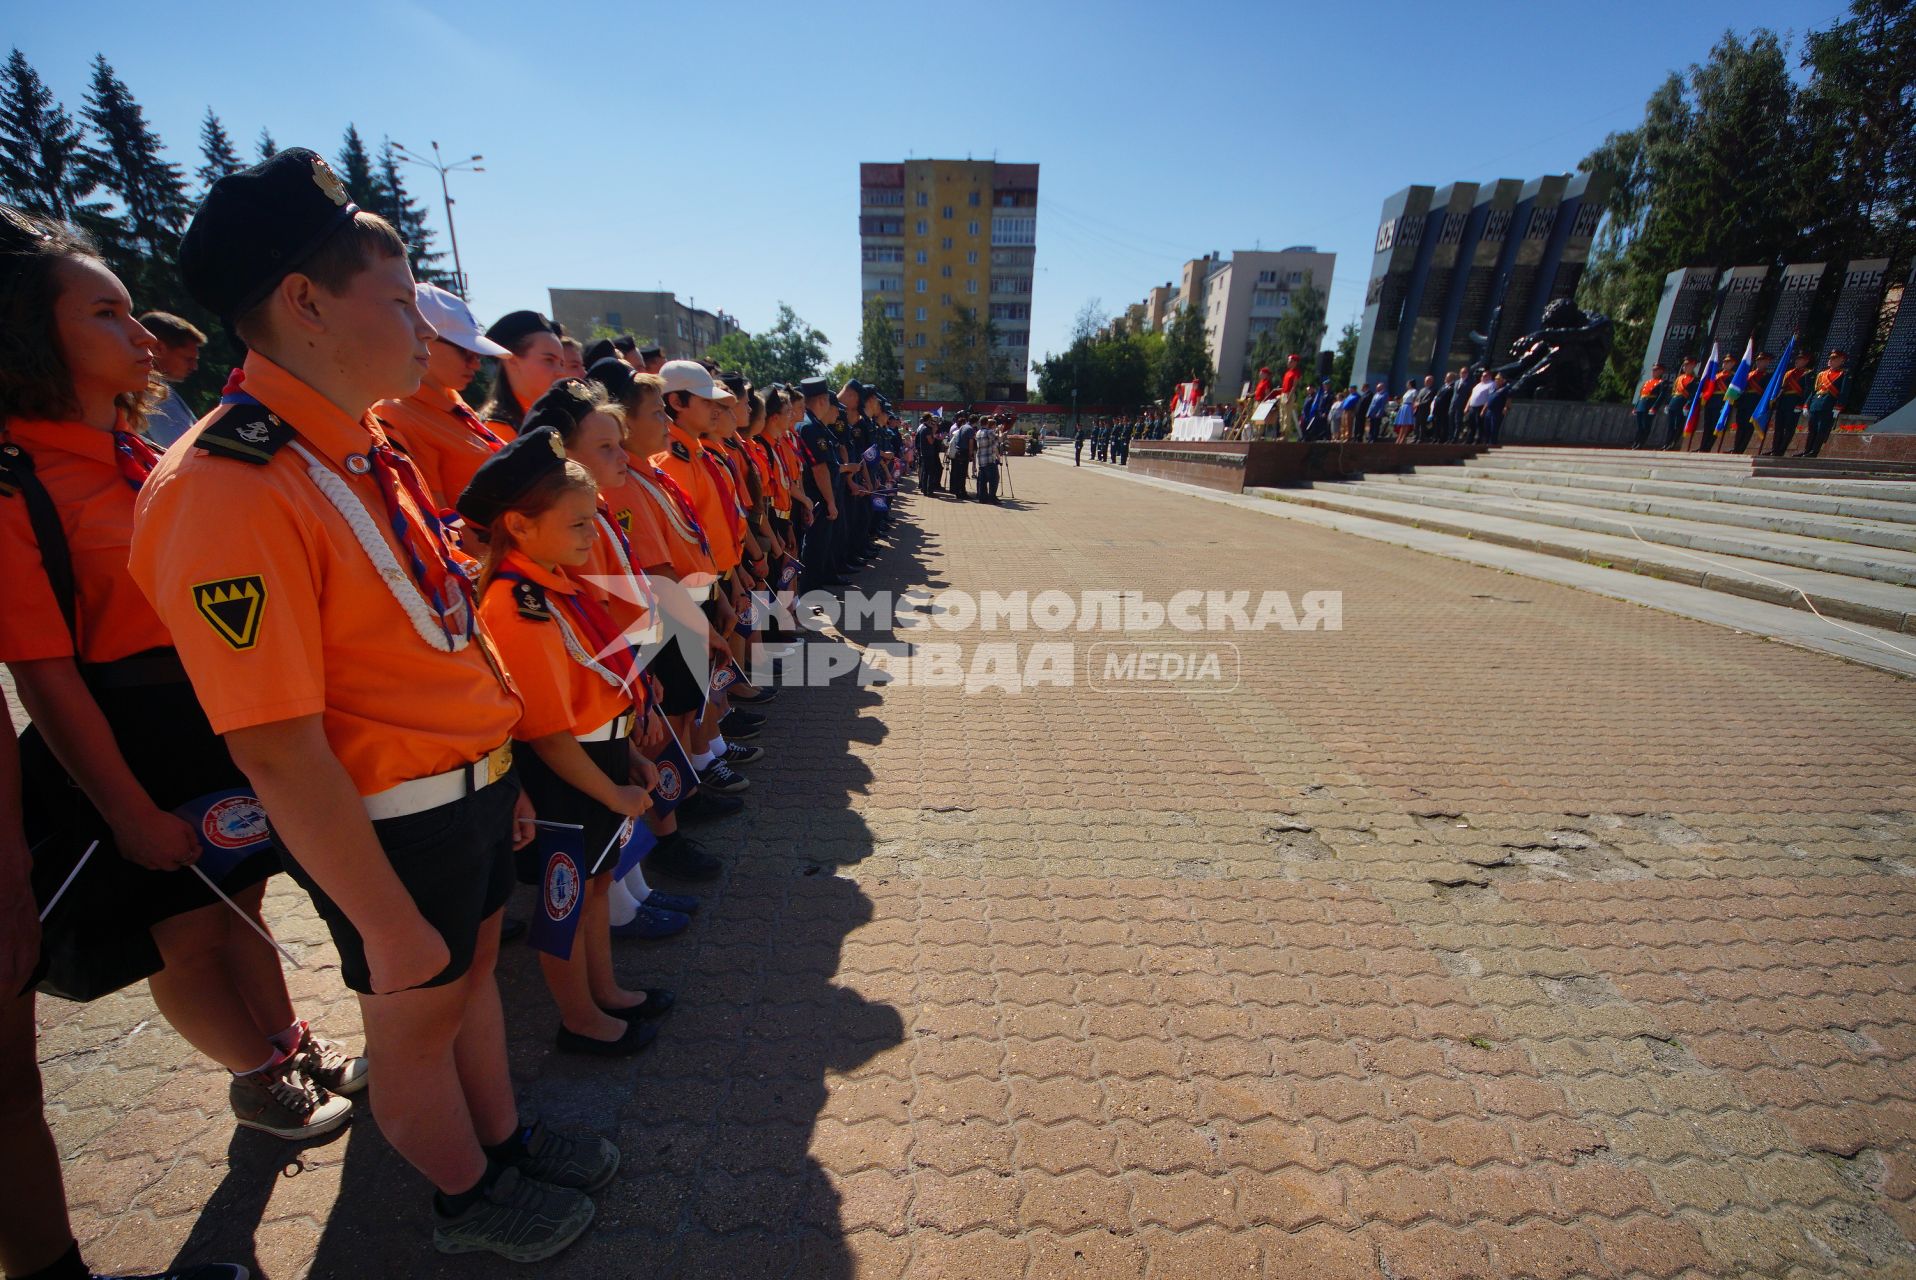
635,144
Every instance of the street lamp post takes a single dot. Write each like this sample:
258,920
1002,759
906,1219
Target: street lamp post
439,166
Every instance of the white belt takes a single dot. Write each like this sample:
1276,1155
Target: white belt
785,514
701,593
422,794
617,727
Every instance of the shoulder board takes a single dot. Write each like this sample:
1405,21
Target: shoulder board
531,599
246,432
680,452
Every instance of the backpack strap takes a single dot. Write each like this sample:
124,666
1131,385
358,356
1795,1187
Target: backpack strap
19,480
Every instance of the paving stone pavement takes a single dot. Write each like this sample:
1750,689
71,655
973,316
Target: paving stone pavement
1506,931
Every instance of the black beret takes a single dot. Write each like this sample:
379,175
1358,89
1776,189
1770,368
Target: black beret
809,387
564,406
597,351
614,374
624,342
734,382
514,327
508,474
256,226
654,350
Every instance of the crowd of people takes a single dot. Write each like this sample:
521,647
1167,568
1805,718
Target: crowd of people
952,451
1804,394
408,651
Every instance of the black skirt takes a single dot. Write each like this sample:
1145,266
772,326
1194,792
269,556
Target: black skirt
97,939
556,800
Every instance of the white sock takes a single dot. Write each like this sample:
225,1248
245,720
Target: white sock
621,906
703,758
718,745
634,884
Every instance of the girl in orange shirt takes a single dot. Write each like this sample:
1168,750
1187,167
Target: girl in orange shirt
577,678
536,360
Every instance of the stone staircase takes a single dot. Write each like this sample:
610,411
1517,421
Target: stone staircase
1841,532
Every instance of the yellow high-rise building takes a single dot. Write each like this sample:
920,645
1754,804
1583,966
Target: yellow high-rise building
938,236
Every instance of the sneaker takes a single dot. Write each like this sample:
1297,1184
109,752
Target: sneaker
739,723
282,1101
652,924
329,1066
683,903
683,858
581,1164
737,753
519,1219
720,777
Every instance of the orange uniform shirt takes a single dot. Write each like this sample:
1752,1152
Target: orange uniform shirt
442,435
681,460
507,431
640,518
561,694
610,562
77,465
278,612
688,558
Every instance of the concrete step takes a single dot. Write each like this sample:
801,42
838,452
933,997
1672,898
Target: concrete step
1717,465
1873,507
1852,599
1808,524
1877,564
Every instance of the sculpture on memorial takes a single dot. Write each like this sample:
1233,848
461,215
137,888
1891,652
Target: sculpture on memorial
1561,360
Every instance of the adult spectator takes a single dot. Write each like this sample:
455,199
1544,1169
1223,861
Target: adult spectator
1495,407
174,360
1474,410
1439,413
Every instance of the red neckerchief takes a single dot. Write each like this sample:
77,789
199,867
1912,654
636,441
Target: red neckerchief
598,634
427,541
136,455
471,422
724,478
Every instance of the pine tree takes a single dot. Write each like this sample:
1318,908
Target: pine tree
355,167
40,145
217,148
396,205
126,158
267,147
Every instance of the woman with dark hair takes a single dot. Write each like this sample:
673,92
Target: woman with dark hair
535,359
120,752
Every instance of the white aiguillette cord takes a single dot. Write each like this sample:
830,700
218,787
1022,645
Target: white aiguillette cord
67,883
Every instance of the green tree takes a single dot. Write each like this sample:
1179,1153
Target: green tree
1300,330
125,157
966,363
789,352
878,361
41,162
267,147
1857,113
355,165
393,202
218,158
1186,353
1344,363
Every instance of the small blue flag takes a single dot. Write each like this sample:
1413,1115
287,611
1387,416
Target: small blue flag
633,840
676,777
1767,405
788,576
725,677
561,889
231,826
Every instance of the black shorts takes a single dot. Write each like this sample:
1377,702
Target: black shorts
456,863
680,693
556,800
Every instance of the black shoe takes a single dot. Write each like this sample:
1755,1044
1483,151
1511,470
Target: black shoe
683,858
637,1036
658,1003
764,695
742,753
722,778
739,718
702,806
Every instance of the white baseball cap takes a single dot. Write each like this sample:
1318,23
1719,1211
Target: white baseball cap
690,375
448,313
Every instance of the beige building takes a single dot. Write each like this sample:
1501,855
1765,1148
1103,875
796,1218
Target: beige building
1240,297
936,236
684,331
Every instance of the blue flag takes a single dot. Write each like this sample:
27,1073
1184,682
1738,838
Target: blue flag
1767,405
1739,384
632,841
726,676
676,778
231,826
561,889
